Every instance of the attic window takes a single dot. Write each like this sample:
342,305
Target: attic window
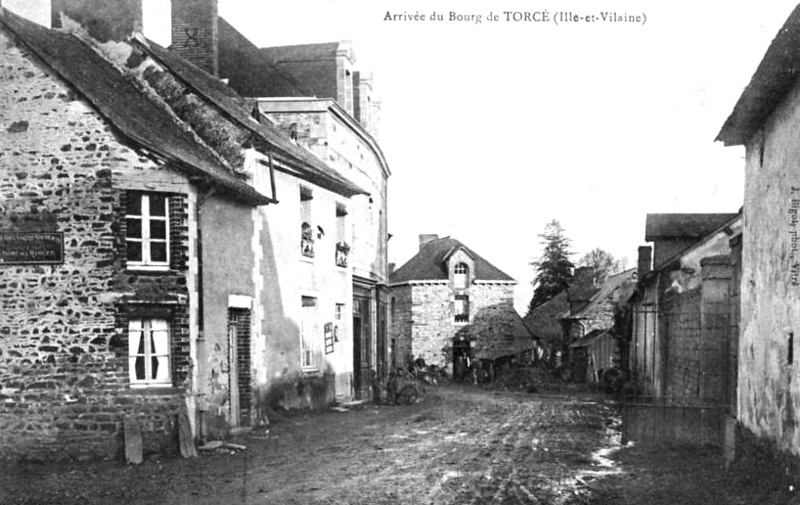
341,210
461,276
305,194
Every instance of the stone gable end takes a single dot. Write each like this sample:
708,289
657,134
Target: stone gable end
64,380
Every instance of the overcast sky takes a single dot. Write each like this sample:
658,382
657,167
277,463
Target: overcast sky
492,129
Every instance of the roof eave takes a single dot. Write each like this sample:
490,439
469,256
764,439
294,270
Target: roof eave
769,85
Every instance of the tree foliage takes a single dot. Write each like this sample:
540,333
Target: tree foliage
603,263
554,267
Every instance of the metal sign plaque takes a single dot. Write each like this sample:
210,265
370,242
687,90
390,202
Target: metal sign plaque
31,248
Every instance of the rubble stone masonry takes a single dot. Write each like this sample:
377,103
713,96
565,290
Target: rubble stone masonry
64,387
424,326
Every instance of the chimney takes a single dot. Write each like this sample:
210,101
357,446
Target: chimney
104,19
195,33
424,239
392,266
643,265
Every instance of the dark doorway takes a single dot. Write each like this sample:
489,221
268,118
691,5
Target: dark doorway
239,366
362,347
381,342
462,358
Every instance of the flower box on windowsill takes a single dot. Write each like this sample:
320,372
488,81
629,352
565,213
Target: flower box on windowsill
307,241
342,252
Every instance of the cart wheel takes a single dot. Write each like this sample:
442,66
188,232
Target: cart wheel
408,395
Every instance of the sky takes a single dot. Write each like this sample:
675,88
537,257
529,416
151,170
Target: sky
494,128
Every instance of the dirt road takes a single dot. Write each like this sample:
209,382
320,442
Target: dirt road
457,445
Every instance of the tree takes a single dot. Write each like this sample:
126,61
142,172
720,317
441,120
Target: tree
553,268
603,263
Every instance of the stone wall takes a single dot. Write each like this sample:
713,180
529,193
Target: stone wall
424,325
64,381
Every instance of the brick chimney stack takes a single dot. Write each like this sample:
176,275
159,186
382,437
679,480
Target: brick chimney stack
104,19
195,33
643,265
424,239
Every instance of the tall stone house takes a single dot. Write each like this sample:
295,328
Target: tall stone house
148,268
765,120
447,301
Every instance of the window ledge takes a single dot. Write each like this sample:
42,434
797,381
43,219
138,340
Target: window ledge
154,389
152,271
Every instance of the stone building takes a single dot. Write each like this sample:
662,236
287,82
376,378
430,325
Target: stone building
135,188
448,301
99,257
765,120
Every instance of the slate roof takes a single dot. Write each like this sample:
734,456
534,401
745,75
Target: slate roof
302,52
236,107
683,226
132,113
612,283
590,338
773,79
251,70
429,264
543,321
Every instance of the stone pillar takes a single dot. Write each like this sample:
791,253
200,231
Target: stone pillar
715,328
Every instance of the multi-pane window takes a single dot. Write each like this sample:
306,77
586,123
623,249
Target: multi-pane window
461,308
460,276
309,334
148,352
147,230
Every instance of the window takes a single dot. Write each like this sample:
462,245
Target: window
306,228
308,333
147,230
148,352
461,276
342,247
461,308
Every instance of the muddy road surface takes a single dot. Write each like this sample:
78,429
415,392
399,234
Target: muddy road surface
457,445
